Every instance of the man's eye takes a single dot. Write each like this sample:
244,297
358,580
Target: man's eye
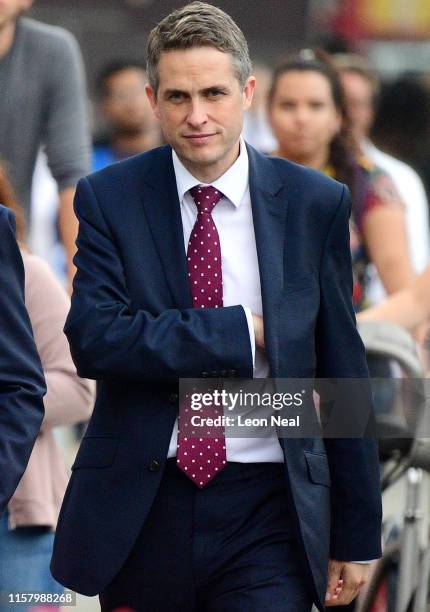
215,93
175,96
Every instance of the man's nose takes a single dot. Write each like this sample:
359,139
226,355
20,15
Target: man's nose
197,114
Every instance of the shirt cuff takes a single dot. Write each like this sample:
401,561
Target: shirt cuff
363,562
250,322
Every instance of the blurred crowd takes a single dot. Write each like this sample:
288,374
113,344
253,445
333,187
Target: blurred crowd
328,112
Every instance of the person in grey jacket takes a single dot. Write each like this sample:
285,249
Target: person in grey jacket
43,103
22,384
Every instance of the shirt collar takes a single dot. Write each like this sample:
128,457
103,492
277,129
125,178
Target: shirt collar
233,183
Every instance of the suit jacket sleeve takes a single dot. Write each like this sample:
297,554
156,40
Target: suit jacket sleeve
22,385
353,462
108,339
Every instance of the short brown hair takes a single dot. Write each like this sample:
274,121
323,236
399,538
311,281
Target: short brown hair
198,24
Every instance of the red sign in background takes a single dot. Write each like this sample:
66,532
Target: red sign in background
393,19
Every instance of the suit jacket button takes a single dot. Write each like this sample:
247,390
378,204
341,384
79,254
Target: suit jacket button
214,374
232,373
223,373
205,374
173,398
154,465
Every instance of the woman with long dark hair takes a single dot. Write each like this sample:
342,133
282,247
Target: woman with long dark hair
308,116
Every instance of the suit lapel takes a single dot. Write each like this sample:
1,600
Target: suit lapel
269,211
159,196
158,192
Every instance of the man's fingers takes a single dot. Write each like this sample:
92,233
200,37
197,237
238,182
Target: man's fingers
333,578
344,597
258,330
332,597
353,576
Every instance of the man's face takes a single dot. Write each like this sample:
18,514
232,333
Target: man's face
303,115
359,101
200,105
10,9
125,104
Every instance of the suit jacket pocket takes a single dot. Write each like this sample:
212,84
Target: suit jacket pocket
96,452
318,470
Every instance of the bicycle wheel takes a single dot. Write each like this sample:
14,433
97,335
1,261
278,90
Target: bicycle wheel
380,591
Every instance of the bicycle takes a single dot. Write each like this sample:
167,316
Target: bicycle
400,580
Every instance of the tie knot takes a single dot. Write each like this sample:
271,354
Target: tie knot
206,198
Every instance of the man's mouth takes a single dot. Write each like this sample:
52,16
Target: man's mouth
197,138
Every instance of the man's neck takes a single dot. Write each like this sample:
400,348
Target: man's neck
208,173
7,33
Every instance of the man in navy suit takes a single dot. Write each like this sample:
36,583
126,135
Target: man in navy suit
22,385
180,252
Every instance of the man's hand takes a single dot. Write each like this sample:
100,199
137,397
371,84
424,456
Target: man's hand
345,580
258,331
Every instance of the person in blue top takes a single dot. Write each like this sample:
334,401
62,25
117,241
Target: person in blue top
124,107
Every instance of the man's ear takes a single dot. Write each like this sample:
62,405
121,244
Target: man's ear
248,92
152,97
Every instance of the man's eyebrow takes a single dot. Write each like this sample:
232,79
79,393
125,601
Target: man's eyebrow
212,87
206,90
169,92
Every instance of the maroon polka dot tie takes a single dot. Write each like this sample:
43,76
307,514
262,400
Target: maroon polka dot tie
201,450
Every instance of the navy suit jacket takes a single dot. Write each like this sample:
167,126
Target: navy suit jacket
132,327
22,385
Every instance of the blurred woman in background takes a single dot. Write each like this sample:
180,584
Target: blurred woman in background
308,117
26,529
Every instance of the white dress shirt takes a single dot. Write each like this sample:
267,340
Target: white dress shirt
241,279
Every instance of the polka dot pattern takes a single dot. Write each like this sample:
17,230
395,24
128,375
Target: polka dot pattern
204,252
202,458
